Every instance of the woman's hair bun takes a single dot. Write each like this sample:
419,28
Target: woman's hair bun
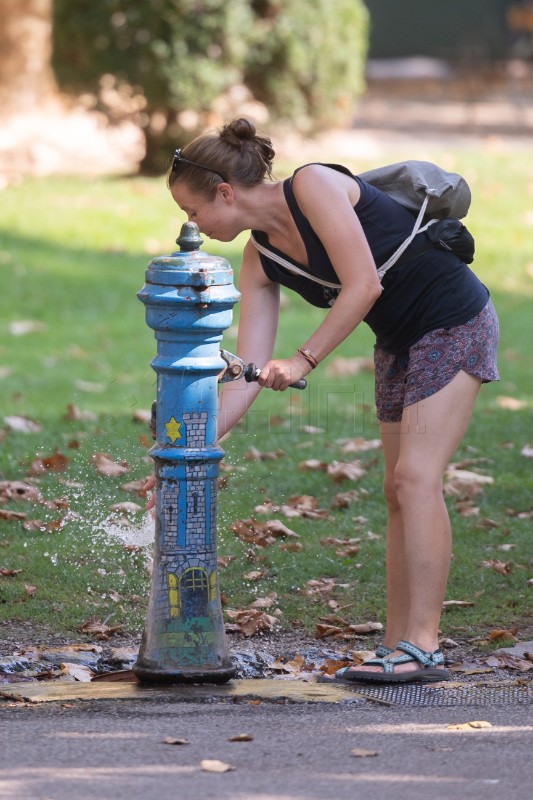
238,131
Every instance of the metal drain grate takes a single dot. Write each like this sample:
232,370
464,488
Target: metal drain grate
419,695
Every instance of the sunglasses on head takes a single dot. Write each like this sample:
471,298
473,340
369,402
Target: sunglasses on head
179,158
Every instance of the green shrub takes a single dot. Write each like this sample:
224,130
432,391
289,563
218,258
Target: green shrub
306,59
153,60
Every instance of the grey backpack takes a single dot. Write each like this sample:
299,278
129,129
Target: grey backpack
431,193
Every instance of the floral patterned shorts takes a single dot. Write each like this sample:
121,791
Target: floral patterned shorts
434,361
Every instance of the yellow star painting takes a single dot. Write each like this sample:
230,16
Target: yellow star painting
173,429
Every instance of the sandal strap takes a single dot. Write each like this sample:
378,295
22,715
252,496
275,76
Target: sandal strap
426,658
382,651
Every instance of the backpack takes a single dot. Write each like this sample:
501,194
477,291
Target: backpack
438,198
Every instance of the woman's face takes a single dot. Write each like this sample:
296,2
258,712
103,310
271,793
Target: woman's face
215,217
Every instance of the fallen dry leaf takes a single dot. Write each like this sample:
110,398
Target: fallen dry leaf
11,516
332,665
291,667
366,627
265,602
464,482
253,454
469,726
359,445
135,486
498,635
337,470
97,628
277,528
466,508
19,490
508,661
520,514
321,586
348,552
172,740
334,541
241,737
350,470
364,753
342,630
107,467
312,464
250,621
75,414
305,506
22,424
501,567
469,669
211,765
29,589
223,561
9,573
453,603
91,387
510,403
487,524
79,672
345,499
21,327
261,533
292,547
252,532
143,415
312,429
121,675
255,575
57,462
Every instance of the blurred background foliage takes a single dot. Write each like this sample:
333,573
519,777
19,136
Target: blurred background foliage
176,66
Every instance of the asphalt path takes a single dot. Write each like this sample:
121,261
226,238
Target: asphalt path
91,750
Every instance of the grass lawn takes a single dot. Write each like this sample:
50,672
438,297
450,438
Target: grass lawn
72,256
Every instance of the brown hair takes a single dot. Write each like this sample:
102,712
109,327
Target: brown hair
235,153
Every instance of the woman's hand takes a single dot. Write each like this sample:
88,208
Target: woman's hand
279,374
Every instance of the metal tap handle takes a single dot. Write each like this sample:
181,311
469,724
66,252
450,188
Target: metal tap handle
251,373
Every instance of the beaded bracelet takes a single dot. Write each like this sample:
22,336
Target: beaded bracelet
309,357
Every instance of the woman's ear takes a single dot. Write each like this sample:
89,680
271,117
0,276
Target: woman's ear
225,190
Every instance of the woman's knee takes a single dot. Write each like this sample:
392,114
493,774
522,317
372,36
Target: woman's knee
413,480
389,493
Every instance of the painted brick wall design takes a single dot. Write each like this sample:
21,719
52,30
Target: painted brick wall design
199,549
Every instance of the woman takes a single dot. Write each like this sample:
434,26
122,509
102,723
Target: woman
436,337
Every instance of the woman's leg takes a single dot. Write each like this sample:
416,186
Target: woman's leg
397,589
430,433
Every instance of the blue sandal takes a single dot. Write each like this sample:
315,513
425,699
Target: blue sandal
430,671
382,651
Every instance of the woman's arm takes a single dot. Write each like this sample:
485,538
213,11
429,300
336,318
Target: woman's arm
258,324
327,200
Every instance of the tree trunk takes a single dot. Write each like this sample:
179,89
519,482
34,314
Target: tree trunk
26,77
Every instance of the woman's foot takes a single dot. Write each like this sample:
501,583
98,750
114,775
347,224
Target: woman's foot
407,663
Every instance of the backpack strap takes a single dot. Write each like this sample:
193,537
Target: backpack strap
405,244
418,228
291,267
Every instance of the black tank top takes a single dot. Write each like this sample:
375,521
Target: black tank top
426,290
